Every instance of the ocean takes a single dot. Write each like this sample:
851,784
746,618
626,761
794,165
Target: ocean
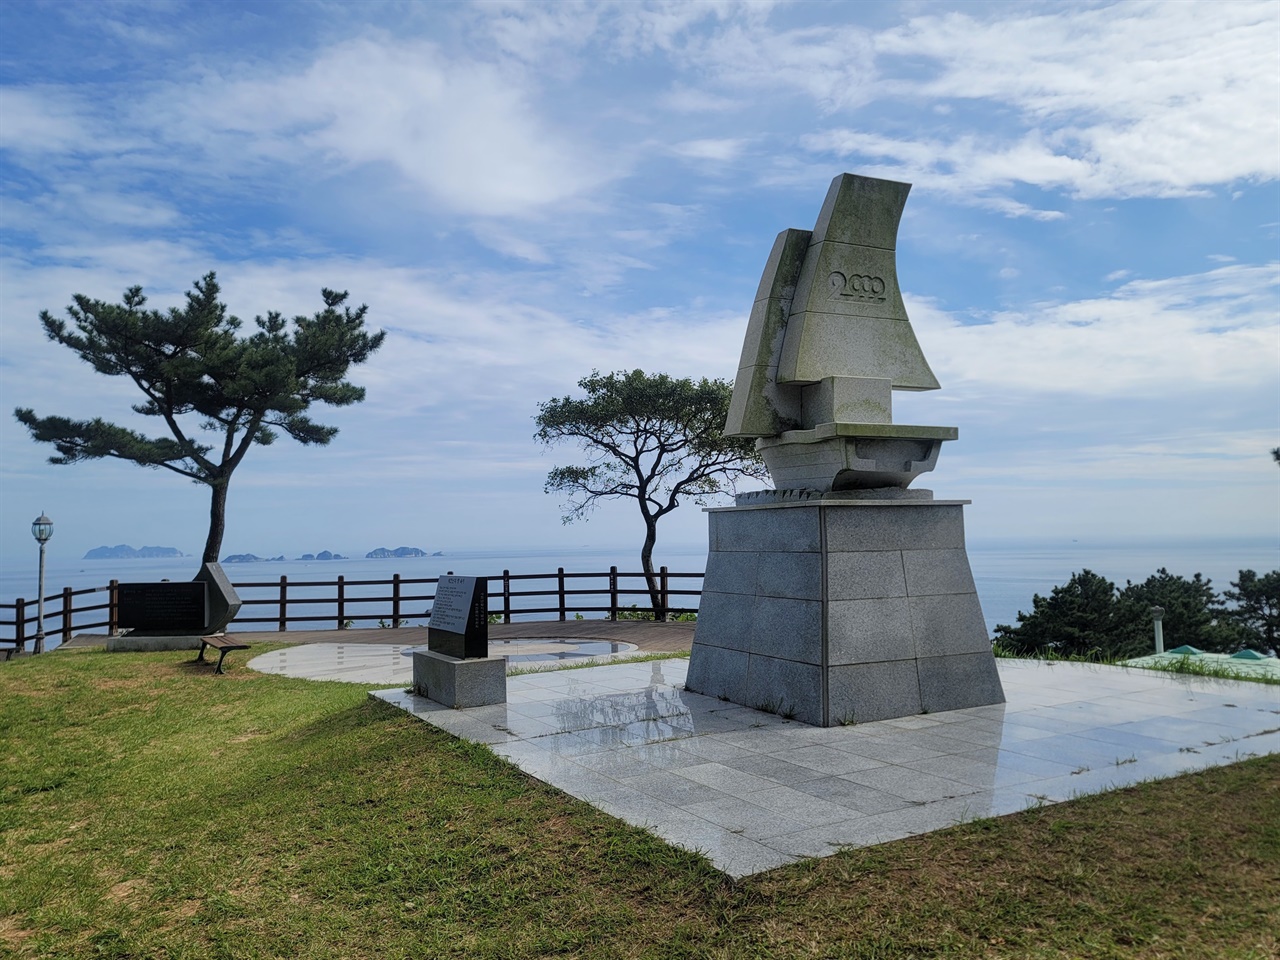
1007,573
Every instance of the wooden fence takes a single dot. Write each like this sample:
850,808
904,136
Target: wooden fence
344,603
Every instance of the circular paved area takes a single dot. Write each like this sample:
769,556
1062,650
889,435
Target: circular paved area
391,664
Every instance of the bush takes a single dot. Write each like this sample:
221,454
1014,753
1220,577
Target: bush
1090,616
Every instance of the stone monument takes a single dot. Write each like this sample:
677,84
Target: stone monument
456,669
842,595
174,615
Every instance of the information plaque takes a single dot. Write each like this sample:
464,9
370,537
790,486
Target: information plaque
459,624
180,606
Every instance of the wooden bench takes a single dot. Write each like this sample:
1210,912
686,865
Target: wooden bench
224,644
8,648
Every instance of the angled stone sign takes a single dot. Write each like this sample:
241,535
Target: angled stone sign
456,669
174,615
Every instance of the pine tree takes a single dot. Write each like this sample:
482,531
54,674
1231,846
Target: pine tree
651,438
198,375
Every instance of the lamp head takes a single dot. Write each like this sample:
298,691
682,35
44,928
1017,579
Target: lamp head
42,529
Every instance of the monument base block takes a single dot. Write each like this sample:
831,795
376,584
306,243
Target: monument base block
477,682
842,611
150,642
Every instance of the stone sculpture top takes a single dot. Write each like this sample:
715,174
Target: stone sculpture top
827,342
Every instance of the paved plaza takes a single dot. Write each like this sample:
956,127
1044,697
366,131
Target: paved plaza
386,663
753,791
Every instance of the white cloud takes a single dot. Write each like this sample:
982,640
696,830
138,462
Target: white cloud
43,120
1133,99
968,169
710,149
1149,338
833,64
465,132
539,32
554,134
468,135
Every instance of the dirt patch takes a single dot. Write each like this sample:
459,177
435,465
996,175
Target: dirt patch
124,891
121,683
12,933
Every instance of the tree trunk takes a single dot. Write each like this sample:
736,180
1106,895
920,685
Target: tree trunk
217,521
646,561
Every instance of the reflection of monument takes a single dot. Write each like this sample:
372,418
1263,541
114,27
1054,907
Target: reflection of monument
841,595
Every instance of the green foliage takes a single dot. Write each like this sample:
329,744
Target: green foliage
1070,621
197,374
650,438
1189,616
1220,669
635,613
1257,608
1090,617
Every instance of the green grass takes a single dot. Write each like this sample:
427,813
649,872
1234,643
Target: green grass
1053,656
1195,667
1186,665
149,809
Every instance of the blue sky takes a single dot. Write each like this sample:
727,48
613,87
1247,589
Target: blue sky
525,192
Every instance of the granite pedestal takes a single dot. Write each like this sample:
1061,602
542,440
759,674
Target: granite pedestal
842,609
454,682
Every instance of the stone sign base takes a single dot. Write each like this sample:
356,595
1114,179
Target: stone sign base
150,642
839,611
477,682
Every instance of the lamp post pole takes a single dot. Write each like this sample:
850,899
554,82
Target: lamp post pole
42,530
1157,614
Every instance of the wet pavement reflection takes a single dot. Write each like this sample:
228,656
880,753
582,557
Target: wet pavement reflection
753,790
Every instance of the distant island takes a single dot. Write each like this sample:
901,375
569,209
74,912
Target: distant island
382,553
123,551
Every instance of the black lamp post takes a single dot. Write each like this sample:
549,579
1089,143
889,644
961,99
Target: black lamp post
42,530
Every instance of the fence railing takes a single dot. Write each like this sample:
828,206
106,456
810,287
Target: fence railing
345,603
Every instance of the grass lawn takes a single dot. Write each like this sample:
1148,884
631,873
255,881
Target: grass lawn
151,809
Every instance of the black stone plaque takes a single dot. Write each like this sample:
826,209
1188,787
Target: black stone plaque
459,625
178,607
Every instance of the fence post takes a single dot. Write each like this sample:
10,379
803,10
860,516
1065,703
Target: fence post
506,596
560,576
664,597
20,628
395,600
113,608
613,593
284,602
342,602
67,603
